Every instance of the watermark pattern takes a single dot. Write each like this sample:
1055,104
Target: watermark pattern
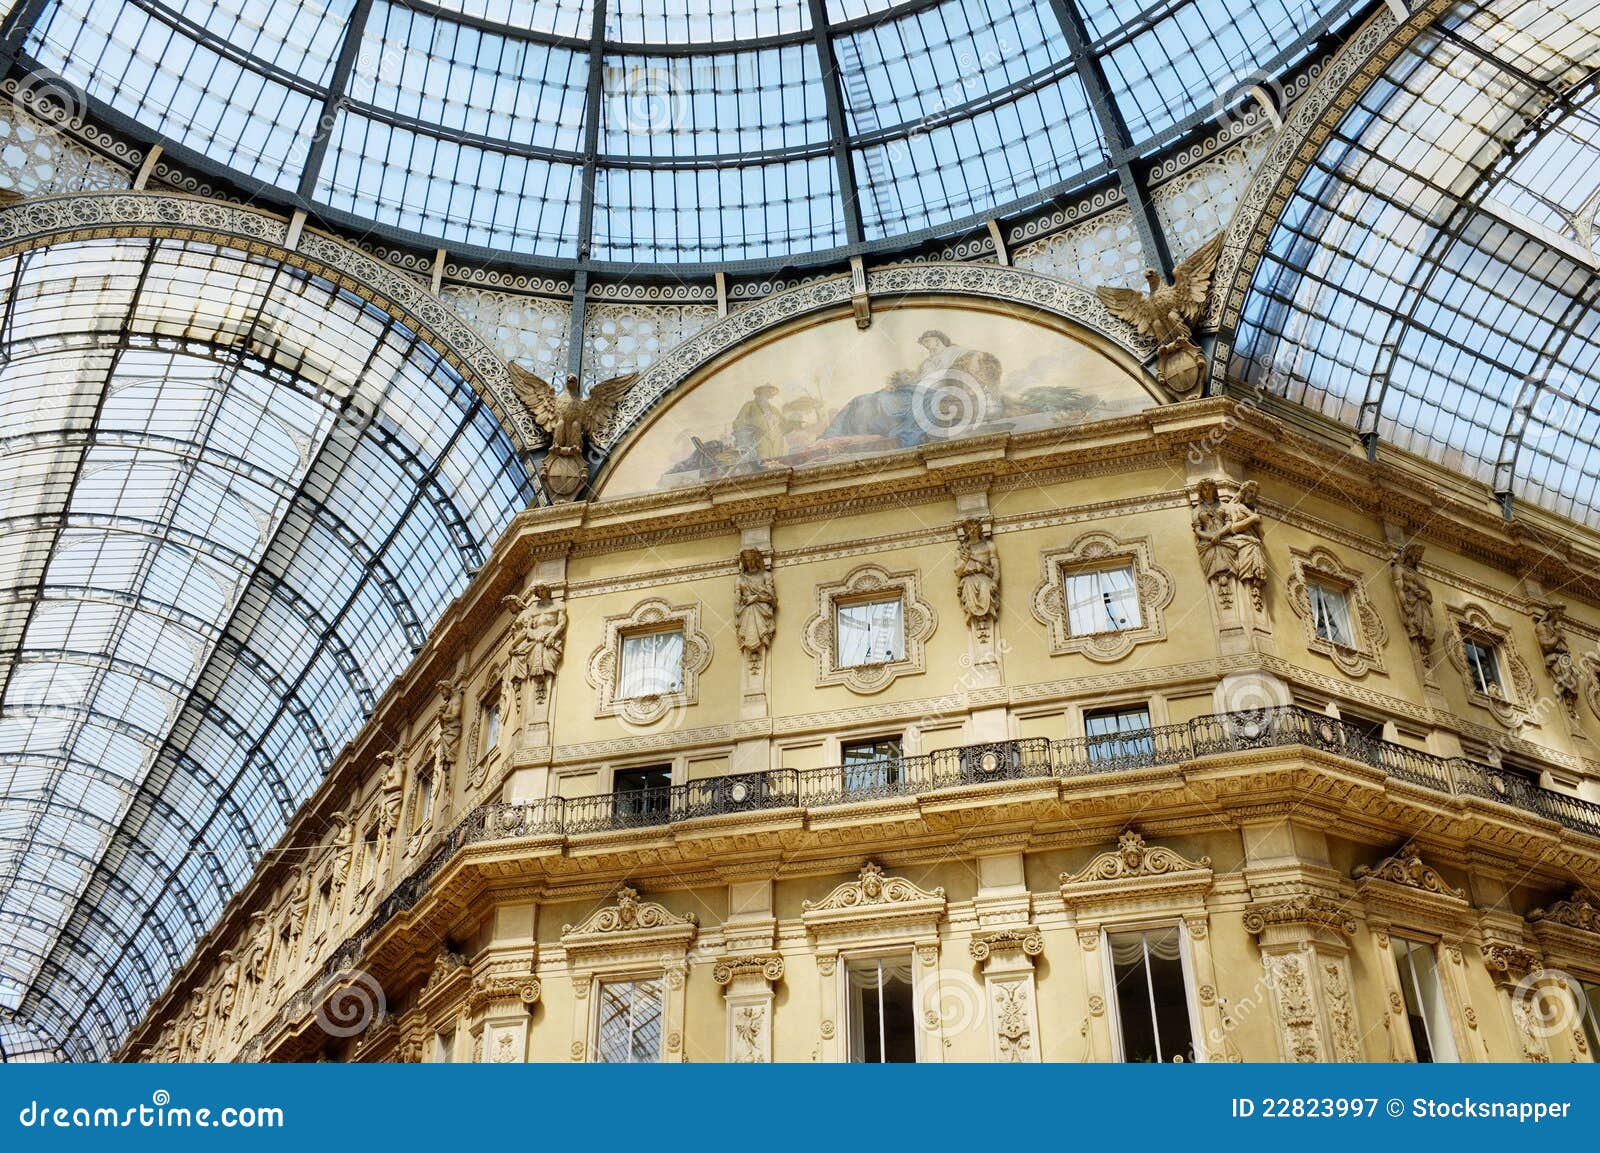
348,1002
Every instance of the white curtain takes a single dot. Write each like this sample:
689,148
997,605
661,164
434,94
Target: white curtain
869,634
1102,601
652,665
1129,948
1331,613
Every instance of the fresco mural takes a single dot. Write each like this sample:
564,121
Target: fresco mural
831,392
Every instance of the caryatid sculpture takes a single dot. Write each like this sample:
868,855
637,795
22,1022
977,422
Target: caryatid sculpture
569,417
977,576
1416,599
539,637
1244,535
1547,621
756,613
1213,542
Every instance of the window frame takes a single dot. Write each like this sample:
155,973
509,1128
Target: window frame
649,795
628,637
1190,995
1095,744
1412,946
658,979
842,605
893,766
604,668
1128,566
1097,551
1320,590
852,959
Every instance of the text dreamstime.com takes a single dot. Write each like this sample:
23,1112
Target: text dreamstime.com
159,1113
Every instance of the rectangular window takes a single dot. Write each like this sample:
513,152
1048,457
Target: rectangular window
1119,734
1425,1005
491,725
630,1022
642,792
871,765
1102,601
1330,611
422,806
444,1046
869,633
1152,996
883,1026
1483,664
1587,994
652,665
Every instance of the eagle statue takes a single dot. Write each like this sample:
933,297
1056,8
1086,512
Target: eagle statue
569,417
1166,313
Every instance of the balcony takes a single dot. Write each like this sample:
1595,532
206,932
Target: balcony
968,766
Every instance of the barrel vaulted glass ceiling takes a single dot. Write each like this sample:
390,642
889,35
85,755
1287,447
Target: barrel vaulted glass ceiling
233,499
1435,279
676,132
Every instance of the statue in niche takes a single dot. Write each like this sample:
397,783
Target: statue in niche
1211,538
978,577
1416,598
343,843
449,727
538,638
1167,312
1244,538
1547,621
757,607
391,788
569,417
259,950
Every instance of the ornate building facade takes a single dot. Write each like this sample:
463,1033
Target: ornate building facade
857,613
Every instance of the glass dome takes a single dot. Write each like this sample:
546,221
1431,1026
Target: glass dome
666,132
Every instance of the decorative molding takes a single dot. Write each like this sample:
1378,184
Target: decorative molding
489,989
767,966
1133,859
1026,942
1409,869
605,663
1320,565
875,904
1512,706
1576,911
1099,550
629,915
872,887
1302,910
870,582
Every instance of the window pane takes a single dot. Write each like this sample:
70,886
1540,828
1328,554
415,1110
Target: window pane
869,633
1483,664
643,791
1119,733
652,665
1151,995
1102,601
1425,1005
1588,997
630,1022
1330,609
871,764
882,1010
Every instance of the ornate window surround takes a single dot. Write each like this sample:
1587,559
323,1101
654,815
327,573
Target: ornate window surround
1140,886
1321,566
631,939
650,615
870,582
871,916
1514,708
1096,550
1404,893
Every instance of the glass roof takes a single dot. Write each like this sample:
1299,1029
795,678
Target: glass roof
1433,281
233,498
677,132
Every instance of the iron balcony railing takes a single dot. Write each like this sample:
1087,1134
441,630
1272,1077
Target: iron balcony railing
1019,760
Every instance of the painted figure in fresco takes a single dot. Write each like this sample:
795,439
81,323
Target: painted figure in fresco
948,363
757,606
978,573
1211,539
887,413
758,430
